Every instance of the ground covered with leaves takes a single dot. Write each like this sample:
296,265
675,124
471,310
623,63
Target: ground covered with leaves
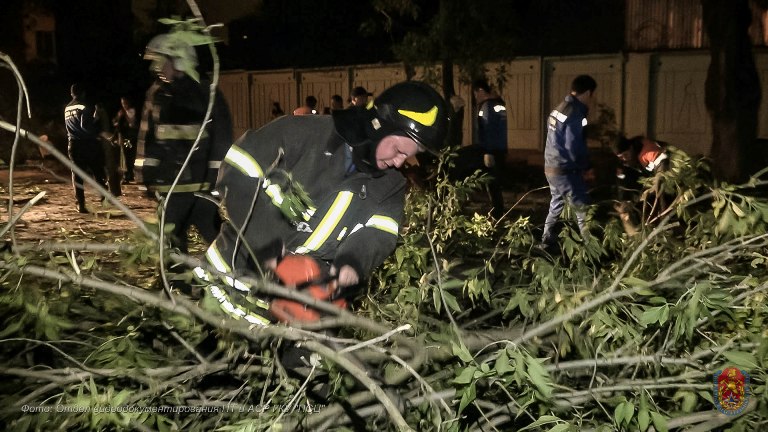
465,327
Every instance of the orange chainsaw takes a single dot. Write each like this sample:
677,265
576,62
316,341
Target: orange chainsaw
303,273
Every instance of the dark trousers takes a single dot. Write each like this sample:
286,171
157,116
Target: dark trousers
89,157
185,209
496,185
112,165
129,154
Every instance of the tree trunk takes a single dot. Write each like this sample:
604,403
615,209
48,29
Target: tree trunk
732,89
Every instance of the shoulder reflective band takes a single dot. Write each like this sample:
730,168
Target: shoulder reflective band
384,223
71,110
178,132
244,162
653,165
559,116
499,108
584,122
328,224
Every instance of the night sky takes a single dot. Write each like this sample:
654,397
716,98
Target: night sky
100,42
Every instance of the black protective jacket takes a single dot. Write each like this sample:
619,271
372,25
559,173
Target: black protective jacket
354,218
172,117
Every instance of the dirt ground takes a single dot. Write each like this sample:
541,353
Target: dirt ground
55,216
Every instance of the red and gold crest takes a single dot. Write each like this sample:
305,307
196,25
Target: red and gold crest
731,390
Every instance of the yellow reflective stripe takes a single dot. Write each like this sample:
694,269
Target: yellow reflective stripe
341,234
215,258
275,193
192,187
178,132
328,224
244,162
75,107
427,118
218,262
236,311
559,116
384,223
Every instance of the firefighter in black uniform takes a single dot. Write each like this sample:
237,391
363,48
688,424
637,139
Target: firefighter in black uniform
84,147
321,186
171,122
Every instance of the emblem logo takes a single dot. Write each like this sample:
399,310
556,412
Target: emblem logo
427,118
731,390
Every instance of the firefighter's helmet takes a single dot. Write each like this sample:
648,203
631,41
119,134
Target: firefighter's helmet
416,109
411,108
172,47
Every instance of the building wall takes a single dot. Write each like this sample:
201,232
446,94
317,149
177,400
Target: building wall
653,25
39,40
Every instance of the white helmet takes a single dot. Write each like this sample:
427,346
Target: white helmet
172,47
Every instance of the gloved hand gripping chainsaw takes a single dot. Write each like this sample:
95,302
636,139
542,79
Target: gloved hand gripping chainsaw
306,274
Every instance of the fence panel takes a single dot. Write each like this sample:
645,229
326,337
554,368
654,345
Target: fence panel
678,113
661,95
268,89
377,78
322,84
234,87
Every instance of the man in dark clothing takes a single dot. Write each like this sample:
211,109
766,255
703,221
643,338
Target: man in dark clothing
84,146
126,124
111,151
171,123
321,186
566,157
491,133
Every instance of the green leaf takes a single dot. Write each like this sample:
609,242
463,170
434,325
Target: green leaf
461,352
562,427
466,375
539,377
655,314
545,419
629,411
450,300
643,419
741,359
618,414
635,282
659,422
467,397
502,364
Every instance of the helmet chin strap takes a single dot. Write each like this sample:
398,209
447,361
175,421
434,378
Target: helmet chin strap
364,157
